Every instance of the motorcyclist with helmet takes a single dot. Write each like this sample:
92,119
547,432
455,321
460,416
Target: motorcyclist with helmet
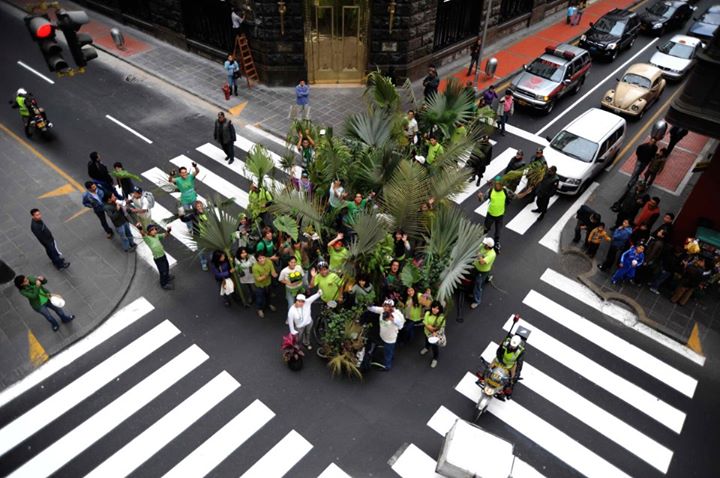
510,355
27,104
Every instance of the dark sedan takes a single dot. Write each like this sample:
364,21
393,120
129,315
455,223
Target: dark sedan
705,26
664,16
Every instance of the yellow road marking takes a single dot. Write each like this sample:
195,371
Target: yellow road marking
45,160
63,190
78,214
694,340
36,352
236,110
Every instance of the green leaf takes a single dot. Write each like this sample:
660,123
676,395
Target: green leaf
287,225
373,128
410,275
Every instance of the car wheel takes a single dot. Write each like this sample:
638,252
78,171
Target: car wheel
549,108
632,42
578,86
614,54
642,113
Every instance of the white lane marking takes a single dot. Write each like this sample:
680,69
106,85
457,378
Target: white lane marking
333,471
128,128
212,180
614,384
591,415
159,434
551,239
618,313
496,166
145,254
218,155
526,134
415,463
83,436
222,443
483,208
281,458
160,179
598,85
121,319
247,145
521,469
617,346
271,137
522,221
544,434
34,71
45,412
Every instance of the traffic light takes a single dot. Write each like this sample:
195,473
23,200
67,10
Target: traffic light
80,44
43,33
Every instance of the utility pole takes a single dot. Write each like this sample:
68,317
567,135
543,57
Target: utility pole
482,43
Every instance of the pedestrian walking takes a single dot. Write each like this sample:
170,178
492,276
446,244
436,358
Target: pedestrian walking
490,97
41,300
232,72
195,219
299,318
691,279
263,271
629,263
498,198
99,172
154,239
587,220
116,212
505,109
185,183
656,166
124,180
302,101
222,270
571,10
477,163
676,134
430,83
94,198
644,154
391,322
225,135
483,264
45,237
596,236
546,190
434,324
577,18
475,56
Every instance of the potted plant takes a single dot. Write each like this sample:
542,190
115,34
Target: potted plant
292,353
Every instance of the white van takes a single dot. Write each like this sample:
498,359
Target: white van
585,146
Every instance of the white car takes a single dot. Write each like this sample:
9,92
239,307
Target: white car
677,56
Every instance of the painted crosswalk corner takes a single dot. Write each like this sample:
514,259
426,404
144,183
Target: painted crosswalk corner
36,352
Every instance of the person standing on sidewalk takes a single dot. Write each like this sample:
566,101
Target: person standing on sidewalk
430,83
154,241
45,237
186,185
33,288
656,166
391,323
629,263
475,56
299,318
676,134
505,109
94,198
434,322
691,278
232,70
116,212
546,190
99,172
643,155
483,264
594,238
302,101
225,135
619,240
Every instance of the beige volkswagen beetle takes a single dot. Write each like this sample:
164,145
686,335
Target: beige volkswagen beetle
639,87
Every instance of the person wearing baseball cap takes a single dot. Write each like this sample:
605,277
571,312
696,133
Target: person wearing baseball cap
299,318
483,264
391,323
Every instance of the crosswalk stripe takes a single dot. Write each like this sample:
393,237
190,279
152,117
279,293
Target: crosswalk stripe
415,463
239,167
521,469
247,145
482,209
526,135
271,137
591,415
223,442
522,221
117,322
333,471
612,383
90,382
215,182
159,434
496,166
544,434
610,342
551,239
281,458
159,178
614,311
104,421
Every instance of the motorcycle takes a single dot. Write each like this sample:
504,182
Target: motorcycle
37,120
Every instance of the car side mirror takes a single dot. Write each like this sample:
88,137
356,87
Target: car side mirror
566,82
617,79
657,47
524,67
548,138
591,24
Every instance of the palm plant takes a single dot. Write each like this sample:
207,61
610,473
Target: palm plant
287,225
445,110
333,159
371,231
381,93
403,195
308,211
260,165
373,128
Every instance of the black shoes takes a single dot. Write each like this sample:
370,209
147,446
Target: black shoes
64,266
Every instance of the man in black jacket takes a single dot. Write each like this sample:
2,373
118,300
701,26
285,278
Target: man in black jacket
643,155
43,234
225,135
98,171
545,190
587,220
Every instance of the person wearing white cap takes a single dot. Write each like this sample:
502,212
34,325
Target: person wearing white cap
300,318
483,264
391,322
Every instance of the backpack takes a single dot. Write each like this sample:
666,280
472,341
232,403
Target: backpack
150,199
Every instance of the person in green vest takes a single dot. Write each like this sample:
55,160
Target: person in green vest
434,149
20,104
258,200
483,264
498,198
510,355
338,253
33,288
154,239
267,245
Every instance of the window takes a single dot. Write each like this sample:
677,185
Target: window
574,146
510,9
456,20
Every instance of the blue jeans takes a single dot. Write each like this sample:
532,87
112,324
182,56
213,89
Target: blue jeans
478,289
43,310
189,207
261,297
389,350
125,236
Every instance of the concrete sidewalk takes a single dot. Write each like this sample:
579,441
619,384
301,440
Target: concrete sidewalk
95,283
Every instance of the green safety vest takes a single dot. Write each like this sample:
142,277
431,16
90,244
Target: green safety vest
510,357
497,203
22,106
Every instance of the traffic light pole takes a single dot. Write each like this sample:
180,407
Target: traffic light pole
482,43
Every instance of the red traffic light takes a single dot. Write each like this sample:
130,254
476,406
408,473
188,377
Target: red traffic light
41,28
44,31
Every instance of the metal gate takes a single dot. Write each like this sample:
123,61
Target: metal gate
208,22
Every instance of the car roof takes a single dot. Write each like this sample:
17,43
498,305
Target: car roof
645,70
686,40
619,13
560,49
594,124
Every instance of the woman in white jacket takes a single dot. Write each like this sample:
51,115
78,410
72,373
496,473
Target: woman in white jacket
300,319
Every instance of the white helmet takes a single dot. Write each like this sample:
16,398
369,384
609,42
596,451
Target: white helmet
489,242
515,341
21,92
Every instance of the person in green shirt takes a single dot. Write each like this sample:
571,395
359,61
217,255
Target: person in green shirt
338,253
483,264
434,323
263,272
434,149
329,283
355,206
459,133
267,245
413,314
33,288
154,239
185,183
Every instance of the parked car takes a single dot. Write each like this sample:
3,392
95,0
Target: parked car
616,30
584,147
663,16
561,70
640,86
677,56
705,26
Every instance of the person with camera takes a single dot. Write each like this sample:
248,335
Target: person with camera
390,324
33,288
185,183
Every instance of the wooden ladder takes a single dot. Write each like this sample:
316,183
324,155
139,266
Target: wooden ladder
243,55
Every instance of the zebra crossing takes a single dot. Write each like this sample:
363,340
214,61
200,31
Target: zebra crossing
612,408
147,372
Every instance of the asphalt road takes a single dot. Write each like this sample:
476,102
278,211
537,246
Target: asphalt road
357,425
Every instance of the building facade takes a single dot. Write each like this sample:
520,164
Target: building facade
332,41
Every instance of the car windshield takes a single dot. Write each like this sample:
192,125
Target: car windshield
574,146
613,27
546,69
711,18
661,9
637,80
677,49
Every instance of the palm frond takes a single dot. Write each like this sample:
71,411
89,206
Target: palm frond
216,232
259,163
443,231
452,106
344,363
407,89
373,128
381,93
370,231
403,194
306,210
462,256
